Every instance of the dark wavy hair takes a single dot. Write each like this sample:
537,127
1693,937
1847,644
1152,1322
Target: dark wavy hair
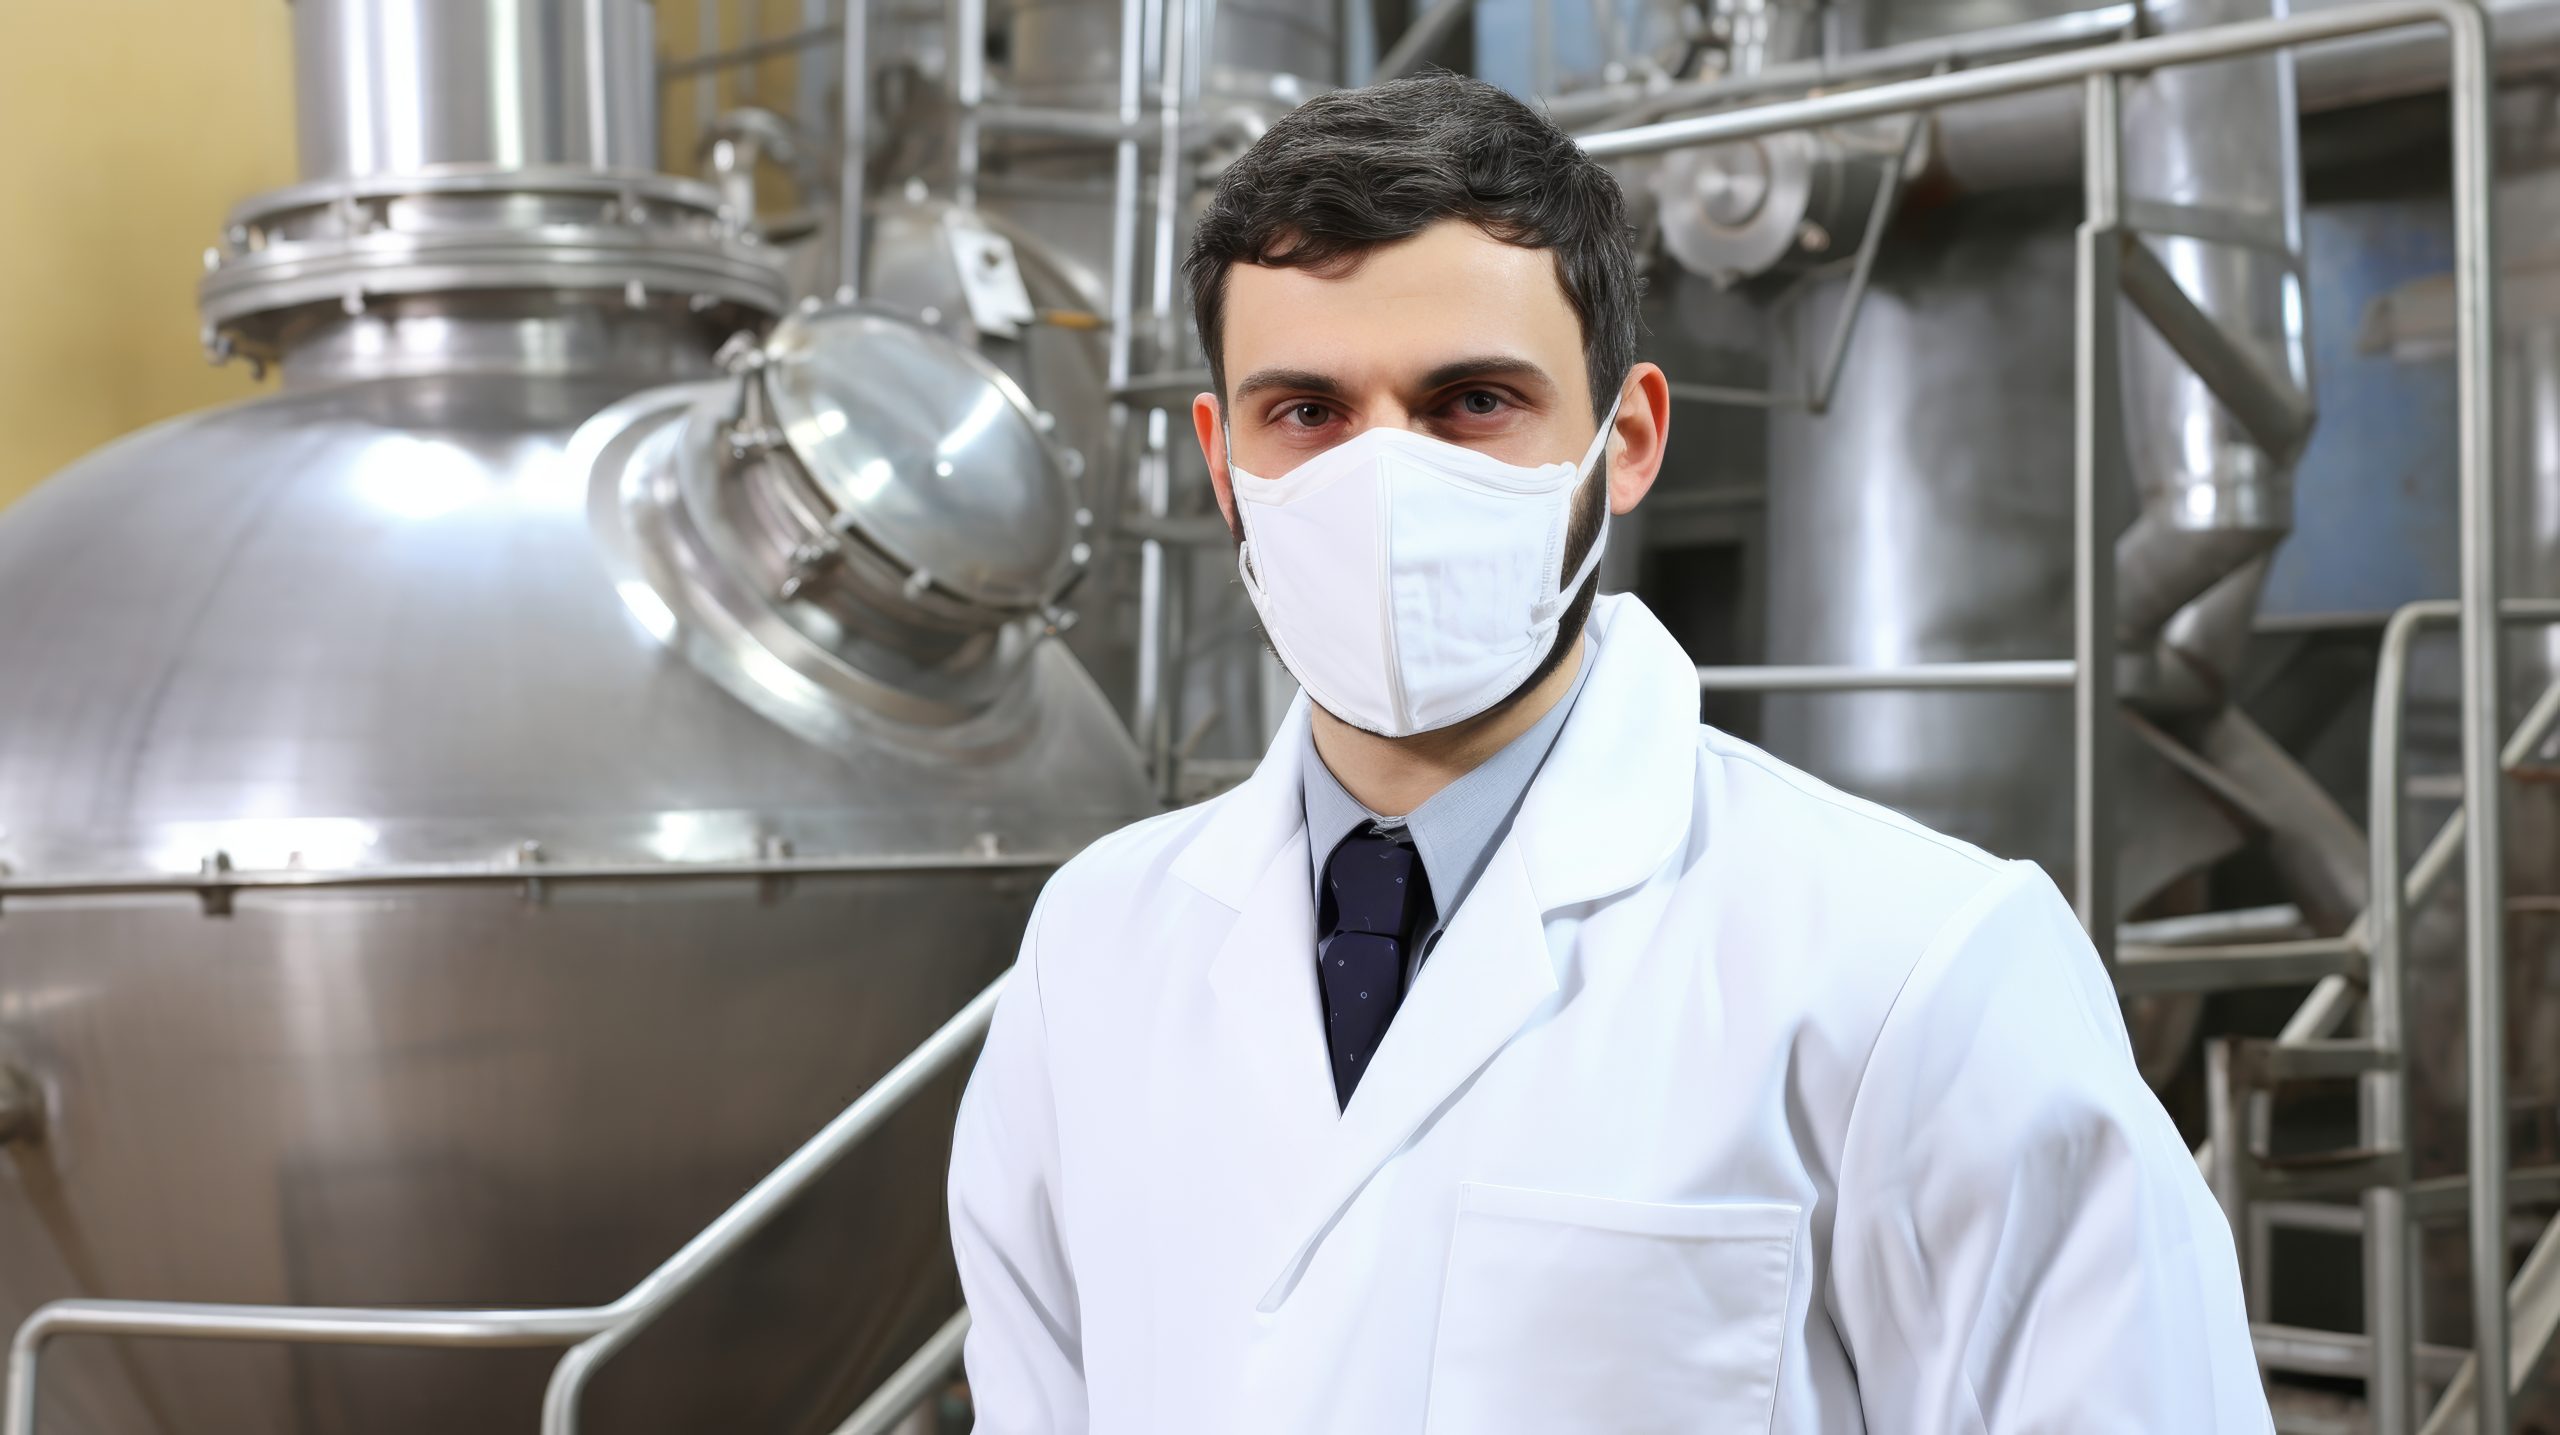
1350,171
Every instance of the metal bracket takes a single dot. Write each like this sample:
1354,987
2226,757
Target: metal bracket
2269,405
216,891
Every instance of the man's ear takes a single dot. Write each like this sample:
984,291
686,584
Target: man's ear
1210,425
1637,443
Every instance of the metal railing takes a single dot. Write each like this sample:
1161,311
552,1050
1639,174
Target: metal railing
2386,933
593,1333
2098,427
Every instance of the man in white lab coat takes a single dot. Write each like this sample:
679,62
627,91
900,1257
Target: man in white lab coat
1511,1053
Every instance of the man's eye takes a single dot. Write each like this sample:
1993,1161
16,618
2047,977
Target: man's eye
1307,415
1478,403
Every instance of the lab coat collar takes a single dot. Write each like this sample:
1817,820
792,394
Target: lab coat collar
1610,806
1612,801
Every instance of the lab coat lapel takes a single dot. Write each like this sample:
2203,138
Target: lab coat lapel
1491,972
1251,856
1269,1014
1612,804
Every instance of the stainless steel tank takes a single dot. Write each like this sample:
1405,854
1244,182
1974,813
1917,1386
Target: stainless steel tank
1927,518
418,892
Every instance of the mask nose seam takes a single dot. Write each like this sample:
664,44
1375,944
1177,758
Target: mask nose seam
1400,705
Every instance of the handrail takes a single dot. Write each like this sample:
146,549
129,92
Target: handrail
2039,72
2384,929
2466,26
909,1384
1830,678
594,1332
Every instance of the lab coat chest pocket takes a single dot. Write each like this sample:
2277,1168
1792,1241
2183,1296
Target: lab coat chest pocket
1568,1312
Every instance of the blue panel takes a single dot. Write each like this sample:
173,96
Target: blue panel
2374,494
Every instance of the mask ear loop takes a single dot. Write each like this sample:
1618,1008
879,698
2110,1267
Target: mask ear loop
1244,546
1551,610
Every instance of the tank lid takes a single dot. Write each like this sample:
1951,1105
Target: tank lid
928,452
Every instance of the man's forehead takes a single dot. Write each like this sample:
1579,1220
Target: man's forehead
1449,293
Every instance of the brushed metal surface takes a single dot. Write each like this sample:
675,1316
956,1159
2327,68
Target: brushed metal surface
2212,178
394,86
927,450
368,624
1898,534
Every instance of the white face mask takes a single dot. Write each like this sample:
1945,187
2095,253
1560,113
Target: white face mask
1410,584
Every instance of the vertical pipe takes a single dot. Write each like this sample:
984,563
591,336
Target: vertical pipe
853,134
2483,782
1542,48
1124,318
969,94
1156,474
706,86
2097,452
2224,1115
599,96
2390,1389
1359,22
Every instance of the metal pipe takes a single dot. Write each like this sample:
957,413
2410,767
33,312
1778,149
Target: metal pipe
223,881
2281,922
1052,123
2536,1301
1123,340
2383,1113
1824,678
1420,38
2483,686
2097,450
706,79
2437,859
1999,42
2035,73
1155,497
658,1290
968,95
2387,932
2140,970
1359,41
912,1384
852,185
2223,1116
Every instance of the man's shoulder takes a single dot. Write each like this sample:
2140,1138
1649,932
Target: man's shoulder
1806,834
1140,853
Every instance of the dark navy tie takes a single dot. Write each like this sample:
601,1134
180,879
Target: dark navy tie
1376,902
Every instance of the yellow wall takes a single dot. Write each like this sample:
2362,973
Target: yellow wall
773,82
127,129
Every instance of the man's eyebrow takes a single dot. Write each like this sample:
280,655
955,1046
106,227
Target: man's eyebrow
1519,371
1305,381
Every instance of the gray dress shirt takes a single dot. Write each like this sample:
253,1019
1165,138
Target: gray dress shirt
1456,830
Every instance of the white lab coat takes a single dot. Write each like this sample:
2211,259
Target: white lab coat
1727,1103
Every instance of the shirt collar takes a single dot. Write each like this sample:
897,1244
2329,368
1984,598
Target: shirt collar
1456,830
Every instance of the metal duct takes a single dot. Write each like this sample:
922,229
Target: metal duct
2213,182
394,88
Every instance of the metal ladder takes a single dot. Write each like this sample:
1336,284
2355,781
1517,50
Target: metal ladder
2259,1191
